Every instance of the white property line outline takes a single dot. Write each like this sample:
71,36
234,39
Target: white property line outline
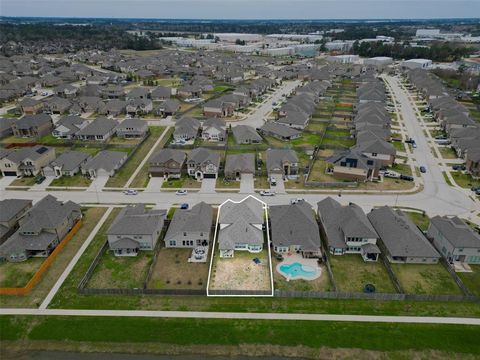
265,210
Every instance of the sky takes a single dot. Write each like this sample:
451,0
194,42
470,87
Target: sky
244,9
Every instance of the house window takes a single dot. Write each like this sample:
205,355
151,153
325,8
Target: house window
374,154
173,243
184,234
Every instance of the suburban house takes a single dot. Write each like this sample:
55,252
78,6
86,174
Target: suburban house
214,129
135,228
241,226
454,239
161,93
26,161
6,127
30,106
11,210
472,163
100,129
295,230
113,107
400,239
41,229
68,126
132,128
138,93
186,129
282,162
139,106
68,163
347,230
56,105
168,107
105,163
32,126
352,165
189,91
167,163
279,131
203,163
374,147
218,108
245,134
190,228
238,164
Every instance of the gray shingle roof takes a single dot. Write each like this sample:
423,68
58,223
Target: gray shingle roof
197,219
100,126
70,160
240,232
136,220
250,209
11,207
106,160
400,235
243,163
456,232
295,224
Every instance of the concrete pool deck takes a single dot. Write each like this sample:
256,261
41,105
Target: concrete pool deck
307,265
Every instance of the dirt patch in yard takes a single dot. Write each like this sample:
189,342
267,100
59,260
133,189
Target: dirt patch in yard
240,272
173,271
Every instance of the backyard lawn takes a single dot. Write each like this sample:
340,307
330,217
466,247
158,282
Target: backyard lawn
91,217
125,272
471,279
76,180
317,172
18,274
320,284
121,176
173,271
431,279
351,274
240,272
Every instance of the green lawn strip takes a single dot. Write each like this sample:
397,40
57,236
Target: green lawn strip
307,139
76,180
464,180
141,180
68,291
51,140
421,220
121,177
352,274
347,143
380,337
398,145
448,153
227,184
447,180
431,279
471,279
402,169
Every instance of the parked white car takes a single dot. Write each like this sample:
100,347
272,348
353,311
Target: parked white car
181,192
296,200
130,192
267,193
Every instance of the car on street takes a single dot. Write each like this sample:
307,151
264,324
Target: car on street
423,169
184,206
181,192
267,193
130,192
296,200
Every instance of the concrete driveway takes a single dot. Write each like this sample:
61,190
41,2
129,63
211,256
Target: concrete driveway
280,187
208,186
154,184
44,184
5,181
247,184
98,183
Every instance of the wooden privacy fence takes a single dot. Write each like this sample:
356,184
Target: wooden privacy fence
45,265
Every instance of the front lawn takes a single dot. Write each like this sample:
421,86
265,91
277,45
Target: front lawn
431,279
184,182
351,274
72,181
24,181
227,184
464,180
448,153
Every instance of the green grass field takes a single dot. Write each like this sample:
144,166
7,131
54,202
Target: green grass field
211,332
76,180
472,279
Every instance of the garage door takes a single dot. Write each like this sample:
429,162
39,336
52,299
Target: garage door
10,173
209,176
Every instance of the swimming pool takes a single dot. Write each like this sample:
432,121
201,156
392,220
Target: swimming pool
298,271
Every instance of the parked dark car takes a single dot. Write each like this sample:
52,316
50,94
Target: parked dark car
184,206
423,169
40,179
406,177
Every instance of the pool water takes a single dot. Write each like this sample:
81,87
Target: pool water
297,270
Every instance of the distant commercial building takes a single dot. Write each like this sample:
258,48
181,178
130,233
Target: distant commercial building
417,64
